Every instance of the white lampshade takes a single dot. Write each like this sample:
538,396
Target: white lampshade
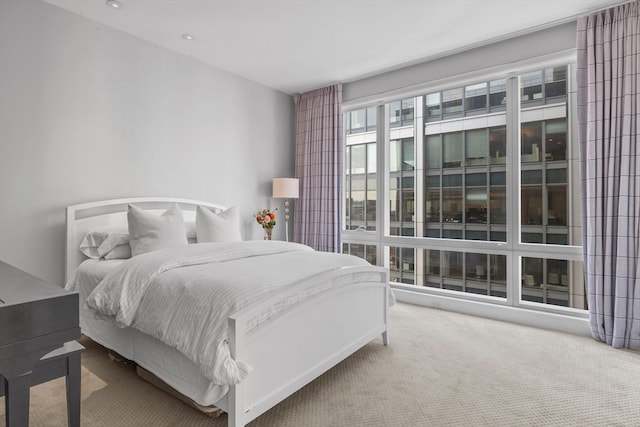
286,188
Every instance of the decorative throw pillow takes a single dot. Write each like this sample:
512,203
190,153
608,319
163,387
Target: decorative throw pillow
221,226
149,232
98,242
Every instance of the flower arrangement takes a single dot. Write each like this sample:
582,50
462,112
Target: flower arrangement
267,219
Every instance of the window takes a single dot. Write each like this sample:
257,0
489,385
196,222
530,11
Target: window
360,170
402,265
546,281
452,102
401,113
358,121
544,86
478,188
497,95
368,252
475,97
402,186
473,273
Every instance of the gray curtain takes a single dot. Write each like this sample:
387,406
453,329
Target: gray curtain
318,167
608,82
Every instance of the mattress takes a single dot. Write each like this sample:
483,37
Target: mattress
166,363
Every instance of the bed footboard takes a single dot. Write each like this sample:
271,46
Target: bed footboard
295,347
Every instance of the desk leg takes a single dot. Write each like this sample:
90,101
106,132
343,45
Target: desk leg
73,390
16,395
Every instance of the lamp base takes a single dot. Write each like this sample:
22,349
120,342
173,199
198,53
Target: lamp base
286,220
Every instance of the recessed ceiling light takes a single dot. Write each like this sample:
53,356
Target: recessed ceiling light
114,4
187,37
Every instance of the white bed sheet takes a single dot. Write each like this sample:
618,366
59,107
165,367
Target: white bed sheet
165,362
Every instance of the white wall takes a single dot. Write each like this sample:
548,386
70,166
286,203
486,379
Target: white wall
90,113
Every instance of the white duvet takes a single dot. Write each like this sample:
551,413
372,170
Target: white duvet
184,296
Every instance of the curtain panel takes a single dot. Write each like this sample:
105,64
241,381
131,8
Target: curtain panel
608,83
318,167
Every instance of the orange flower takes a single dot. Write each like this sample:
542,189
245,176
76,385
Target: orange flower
266,218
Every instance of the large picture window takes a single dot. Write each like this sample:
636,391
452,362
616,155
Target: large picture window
360,170
479,190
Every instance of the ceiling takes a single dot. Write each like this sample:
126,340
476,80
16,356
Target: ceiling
298,45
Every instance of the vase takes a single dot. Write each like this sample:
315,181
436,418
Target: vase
267,233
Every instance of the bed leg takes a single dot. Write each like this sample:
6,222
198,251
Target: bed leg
235,412
233,422
385,337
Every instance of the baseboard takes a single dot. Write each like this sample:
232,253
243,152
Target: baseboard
539,319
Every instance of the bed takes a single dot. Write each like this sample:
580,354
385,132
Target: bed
276,342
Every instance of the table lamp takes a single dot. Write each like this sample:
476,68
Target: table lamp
286,188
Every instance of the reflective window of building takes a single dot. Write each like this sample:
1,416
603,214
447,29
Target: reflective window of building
360,170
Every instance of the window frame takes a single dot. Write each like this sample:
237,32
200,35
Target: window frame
513,249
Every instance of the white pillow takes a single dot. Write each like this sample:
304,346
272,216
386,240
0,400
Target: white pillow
119,252
223,226
149,232
98,242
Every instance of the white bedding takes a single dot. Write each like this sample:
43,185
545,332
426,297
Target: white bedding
165,362
183,296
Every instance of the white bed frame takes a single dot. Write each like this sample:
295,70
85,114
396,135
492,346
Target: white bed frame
288,351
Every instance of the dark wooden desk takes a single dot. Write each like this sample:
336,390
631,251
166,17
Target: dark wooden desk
35,319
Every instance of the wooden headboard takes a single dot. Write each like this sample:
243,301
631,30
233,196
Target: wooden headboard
87,216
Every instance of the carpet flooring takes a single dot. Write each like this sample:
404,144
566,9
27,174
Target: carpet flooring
441,369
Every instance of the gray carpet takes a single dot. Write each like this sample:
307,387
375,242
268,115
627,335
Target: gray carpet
441,369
